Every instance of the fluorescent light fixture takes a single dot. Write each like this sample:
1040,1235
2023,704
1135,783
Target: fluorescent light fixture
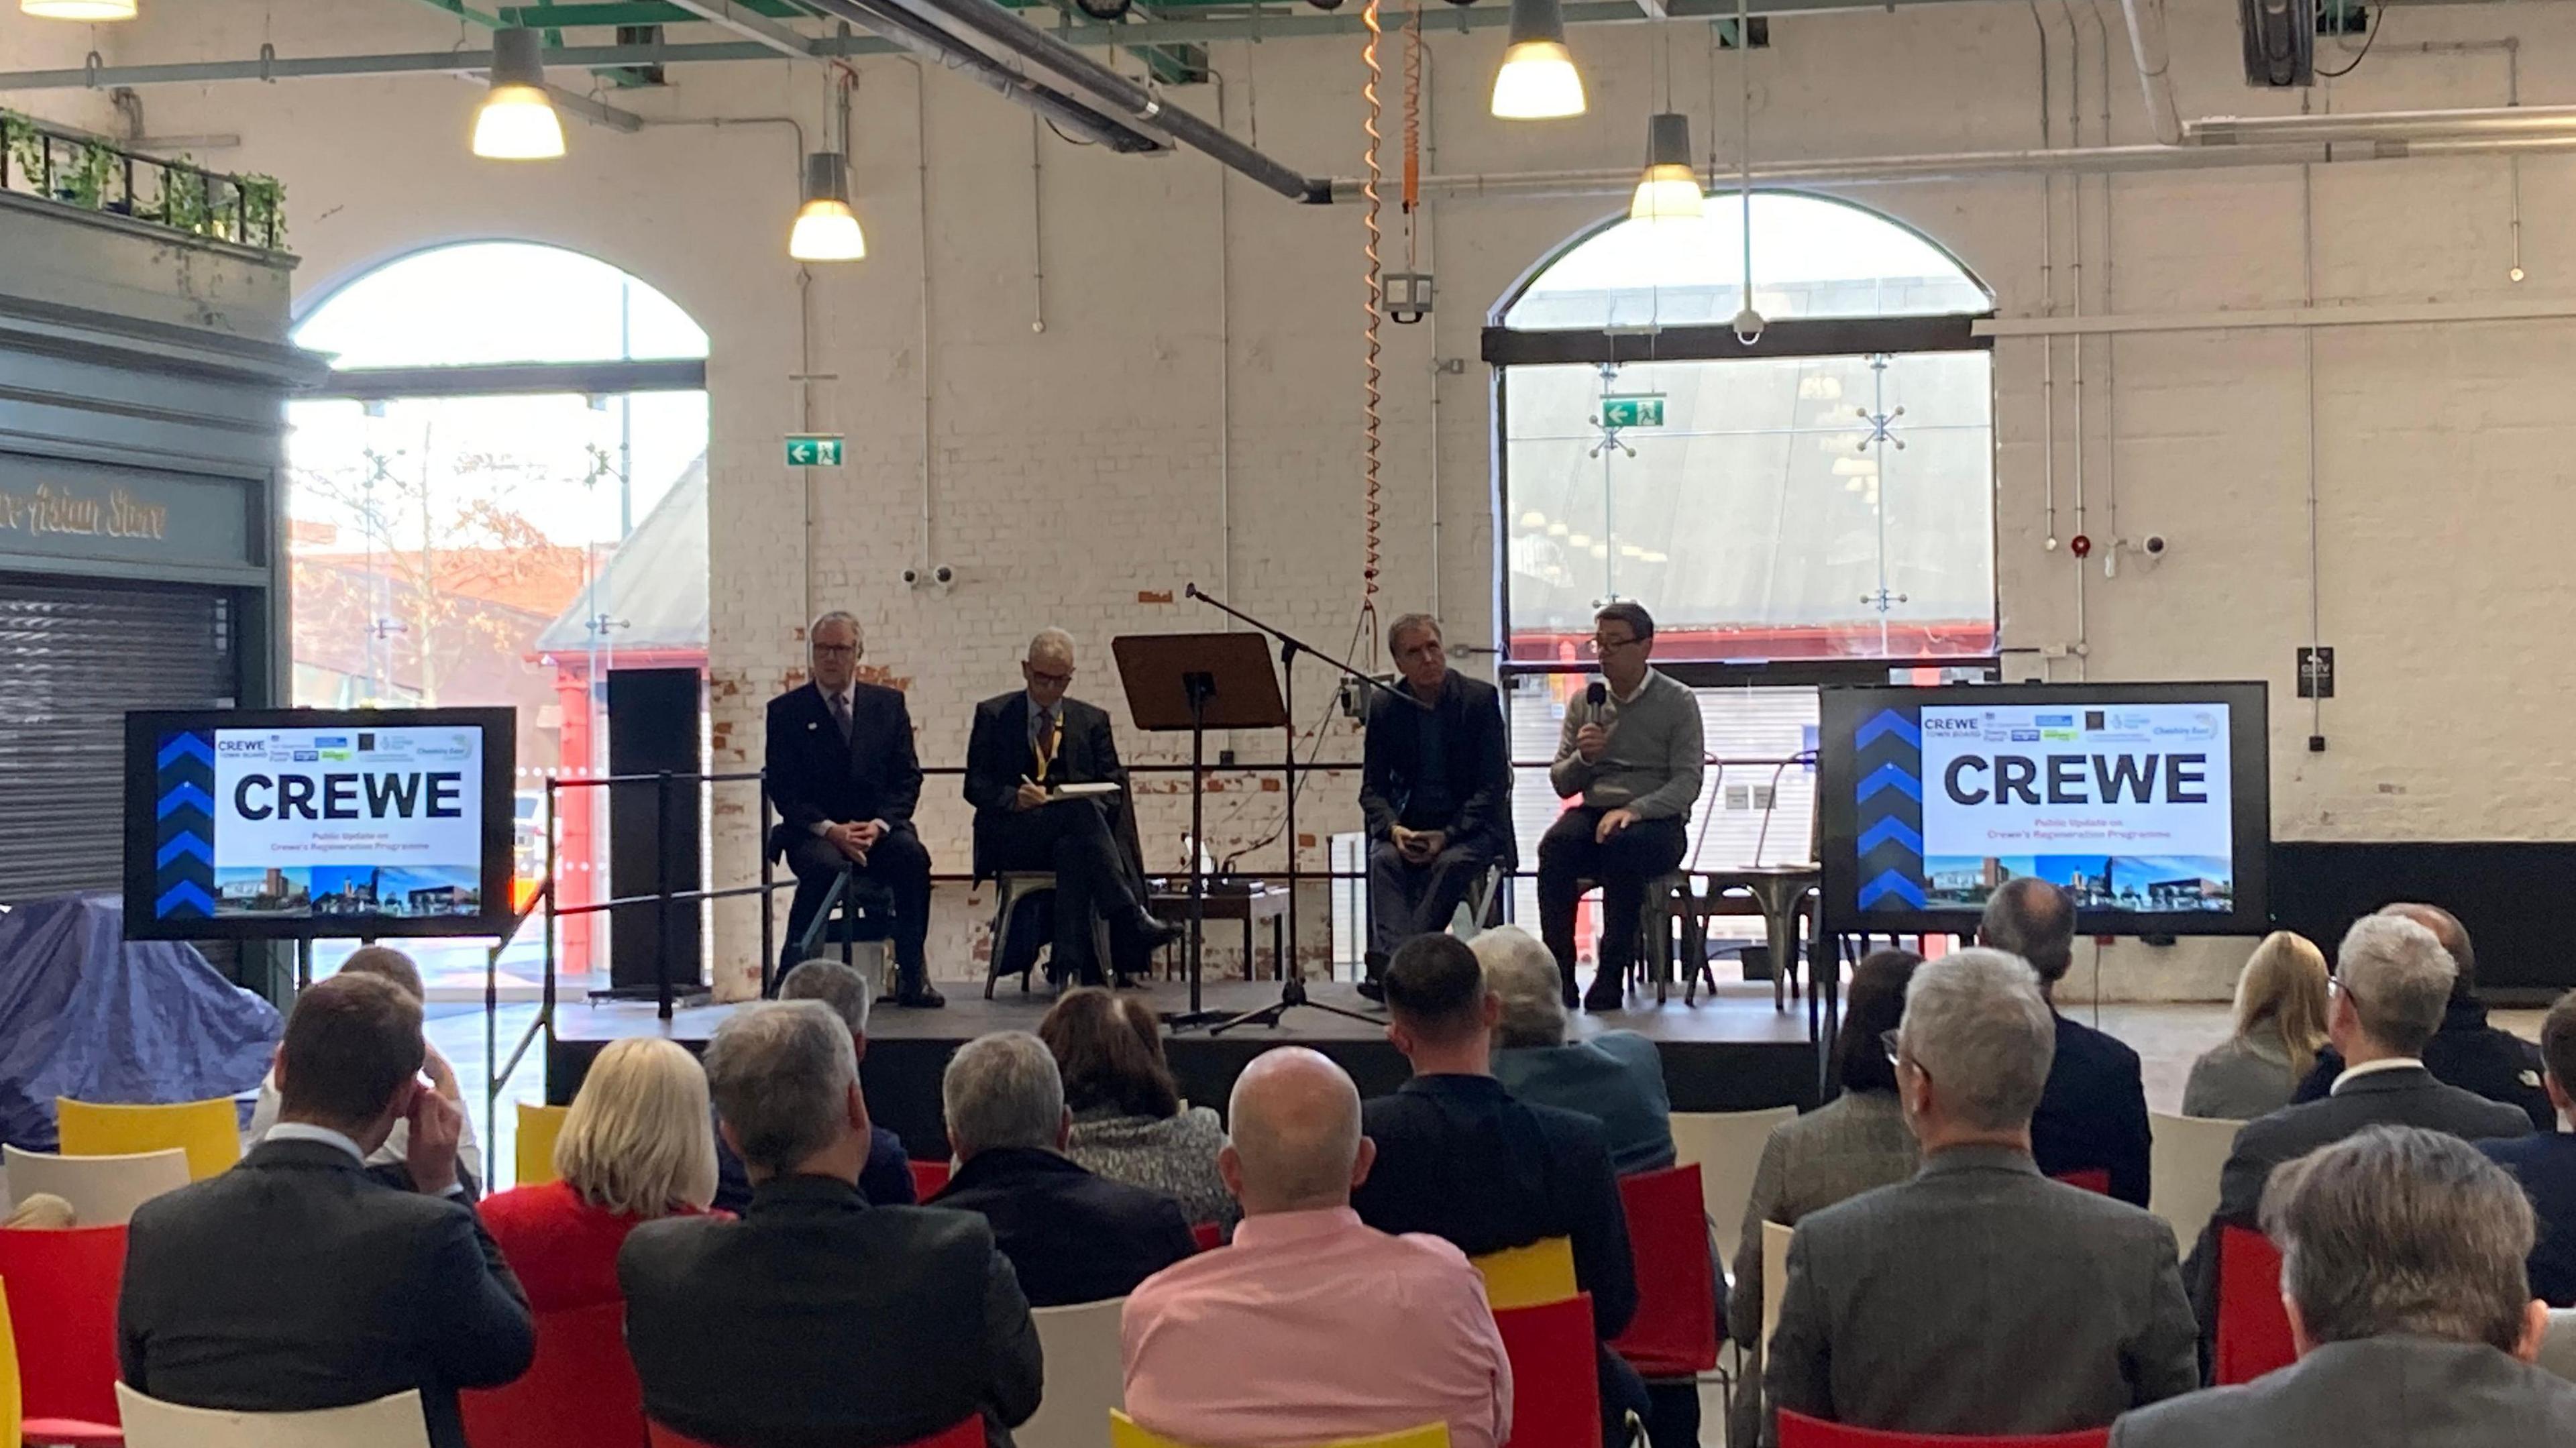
517,121
1538,81
826,228
1669,189
89,10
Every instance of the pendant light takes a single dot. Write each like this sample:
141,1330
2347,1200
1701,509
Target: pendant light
517,121
89,10
1747,325
826,228
1669,189
1538,81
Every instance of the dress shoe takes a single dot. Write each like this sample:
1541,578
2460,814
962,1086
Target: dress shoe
1153,933
1605,995
920,997
1373,983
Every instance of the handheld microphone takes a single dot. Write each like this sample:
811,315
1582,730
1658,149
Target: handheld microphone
1595,694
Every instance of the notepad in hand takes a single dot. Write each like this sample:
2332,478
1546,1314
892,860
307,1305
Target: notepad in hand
1082,791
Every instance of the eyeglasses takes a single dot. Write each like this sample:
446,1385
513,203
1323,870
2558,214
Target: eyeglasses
1040,676
1887,1043
1603,646
836,651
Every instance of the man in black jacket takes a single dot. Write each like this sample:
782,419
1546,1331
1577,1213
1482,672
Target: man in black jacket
1436,787
841,769
297,1280
2466,1052
1459,1158
2093,1116
818,1321
886,1180
1026,745
1074,1237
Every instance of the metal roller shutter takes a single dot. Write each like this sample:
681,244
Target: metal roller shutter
73,658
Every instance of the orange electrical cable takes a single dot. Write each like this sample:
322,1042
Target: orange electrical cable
1376,310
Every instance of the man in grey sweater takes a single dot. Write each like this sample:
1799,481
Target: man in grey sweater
1631,748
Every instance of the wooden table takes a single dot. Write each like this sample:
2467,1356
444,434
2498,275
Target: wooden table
1250,907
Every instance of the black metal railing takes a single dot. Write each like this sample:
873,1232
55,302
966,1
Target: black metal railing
73,169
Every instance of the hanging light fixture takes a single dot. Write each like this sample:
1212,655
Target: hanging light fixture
1669,189
517,121
89,10
826,228
1748,323
1538,81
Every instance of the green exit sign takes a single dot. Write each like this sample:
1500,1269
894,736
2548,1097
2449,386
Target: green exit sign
814,450
1642,410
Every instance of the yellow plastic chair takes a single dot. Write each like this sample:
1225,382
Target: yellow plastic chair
208,1131
538,1128
1124,1432
1531,1276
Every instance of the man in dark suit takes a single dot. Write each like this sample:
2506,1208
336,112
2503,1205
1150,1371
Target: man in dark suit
818,1321
1436,788
298,1280
2093,1116
2392,980
2545,1163
1980,1297
1074,1237
1024,745
1459,1158
841,769
886,1180
2402,1275
2466,1052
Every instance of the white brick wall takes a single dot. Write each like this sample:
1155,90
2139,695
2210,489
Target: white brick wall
1076,468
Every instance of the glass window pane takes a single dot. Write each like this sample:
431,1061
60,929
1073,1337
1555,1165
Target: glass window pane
498,301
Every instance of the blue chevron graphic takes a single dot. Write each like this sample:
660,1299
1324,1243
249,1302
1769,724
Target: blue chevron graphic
186,892
1888,776
1887,721
1891,883
187,746
189,845
1891,828
188,794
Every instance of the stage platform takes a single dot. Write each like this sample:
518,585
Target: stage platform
1731,1052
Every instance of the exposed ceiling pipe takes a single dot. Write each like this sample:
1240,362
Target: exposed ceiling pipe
2406,126
2155,65
931,43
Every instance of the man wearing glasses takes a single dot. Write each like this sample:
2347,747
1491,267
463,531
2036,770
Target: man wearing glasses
1028,747
841,769
1631,749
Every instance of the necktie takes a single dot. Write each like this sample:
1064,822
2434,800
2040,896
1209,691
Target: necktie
841,716
1048,730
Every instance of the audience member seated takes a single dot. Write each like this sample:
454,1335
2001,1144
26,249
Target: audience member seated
1074,1237
1436,790
1614,1077
2279,1022
390,964
2393,982
1979,1297
2402,1255
1851,1144
1458,1158
636,1145
886,1181
2093,1116
298,1279
2466,1052
1312,1327
2545,1163
41,1212
1129,1122
818,1319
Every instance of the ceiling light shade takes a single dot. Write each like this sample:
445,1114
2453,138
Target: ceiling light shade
517,121
826,228
1538,81
1669,189
88,10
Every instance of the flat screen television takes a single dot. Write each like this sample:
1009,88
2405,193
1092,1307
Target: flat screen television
300,823
2150,802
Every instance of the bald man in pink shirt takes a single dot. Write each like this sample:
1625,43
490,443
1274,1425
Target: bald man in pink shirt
1311,1327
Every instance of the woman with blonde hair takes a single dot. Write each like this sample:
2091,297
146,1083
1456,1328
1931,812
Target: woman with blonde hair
2279,1025
638,1143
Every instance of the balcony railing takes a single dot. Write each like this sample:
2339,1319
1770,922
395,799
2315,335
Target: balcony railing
79,170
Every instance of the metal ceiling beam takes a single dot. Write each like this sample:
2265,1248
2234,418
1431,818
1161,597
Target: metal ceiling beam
750,25
598,113
465,12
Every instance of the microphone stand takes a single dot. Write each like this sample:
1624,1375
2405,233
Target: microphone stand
1292,981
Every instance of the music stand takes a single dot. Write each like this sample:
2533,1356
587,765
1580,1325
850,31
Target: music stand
1199,682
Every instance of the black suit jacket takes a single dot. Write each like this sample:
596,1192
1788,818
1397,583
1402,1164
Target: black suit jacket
813,777
1477,763
998,756
2470,1054
2546,1167
1074,1237
2094,1112
1459,1158
818,1321
296,1280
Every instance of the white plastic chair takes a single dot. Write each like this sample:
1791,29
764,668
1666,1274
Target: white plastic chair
2558,1349
1084,1377
2185,1160
1726,1146
1775,1276
103,1190
390,1422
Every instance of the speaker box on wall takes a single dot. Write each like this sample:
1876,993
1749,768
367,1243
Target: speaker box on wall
652,832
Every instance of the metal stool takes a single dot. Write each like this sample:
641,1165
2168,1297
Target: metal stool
1012,888
856,912
1654,949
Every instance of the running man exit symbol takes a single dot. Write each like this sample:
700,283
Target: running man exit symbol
1642,410
814,450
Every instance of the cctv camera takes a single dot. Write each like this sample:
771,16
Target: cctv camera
943,575
2154,544
1748,326
912,578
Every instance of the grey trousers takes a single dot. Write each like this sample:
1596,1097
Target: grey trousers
1406,899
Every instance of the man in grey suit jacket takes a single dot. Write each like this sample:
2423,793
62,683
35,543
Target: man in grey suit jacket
2402,1266
1980,1297
2393,981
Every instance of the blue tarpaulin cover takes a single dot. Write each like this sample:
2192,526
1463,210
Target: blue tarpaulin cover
88,1014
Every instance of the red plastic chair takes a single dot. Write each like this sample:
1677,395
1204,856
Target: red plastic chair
2253,1327
929,1178
2094,1179
580,1392
1556,1387
1208,1235
62,1299
1797,1430
969,1433
1674,1333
